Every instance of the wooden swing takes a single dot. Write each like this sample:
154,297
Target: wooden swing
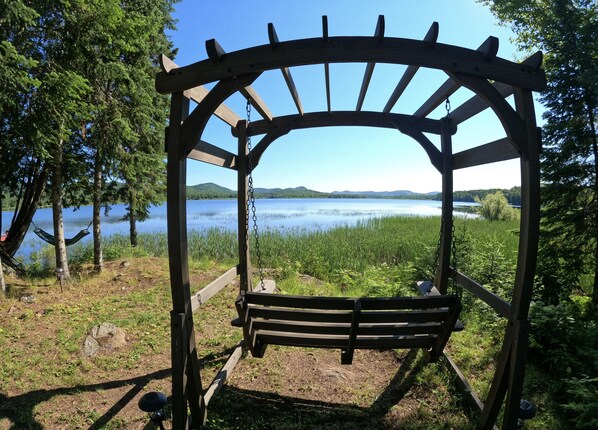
350,323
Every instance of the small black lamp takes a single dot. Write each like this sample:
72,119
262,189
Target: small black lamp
153,403
527,411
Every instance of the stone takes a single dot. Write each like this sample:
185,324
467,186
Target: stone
103,337
90,347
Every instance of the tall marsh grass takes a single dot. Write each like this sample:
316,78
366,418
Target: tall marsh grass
484,247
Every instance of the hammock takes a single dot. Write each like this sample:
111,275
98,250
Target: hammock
47,237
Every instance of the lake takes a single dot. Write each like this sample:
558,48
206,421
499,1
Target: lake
273,214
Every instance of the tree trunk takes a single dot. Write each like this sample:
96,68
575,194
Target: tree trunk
34,188
592,121
2,283
98,259
132,218
62,266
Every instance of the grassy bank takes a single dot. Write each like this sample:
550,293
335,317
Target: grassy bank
45,383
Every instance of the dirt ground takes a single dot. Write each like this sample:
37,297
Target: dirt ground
95,395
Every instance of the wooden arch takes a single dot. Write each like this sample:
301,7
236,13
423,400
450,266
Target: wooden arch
489,77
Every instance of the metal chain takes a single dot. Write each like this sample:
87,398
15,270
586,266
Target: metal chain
251,202
437,256
447,106
457,290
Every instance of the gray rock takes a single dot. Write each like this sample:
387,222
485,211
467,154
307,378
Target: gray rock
105,336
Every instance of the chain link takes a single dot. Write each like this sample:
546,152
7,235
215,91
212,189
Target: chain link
251,203
447,106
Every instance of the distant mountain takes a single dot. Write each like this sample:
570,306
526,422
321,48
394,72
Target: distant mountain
209,191
384,194
214,191
297,192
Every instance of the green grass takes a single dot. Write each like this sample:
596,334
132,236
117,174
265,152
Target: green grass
379,257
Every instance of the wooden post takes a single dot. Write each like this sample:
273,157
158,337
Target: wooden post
186,381
444,256
243,230
529,233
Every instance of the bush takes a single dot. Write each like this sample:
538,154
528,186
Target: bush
495,207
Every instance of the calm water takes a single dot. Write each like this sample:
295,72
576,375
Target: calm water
275,214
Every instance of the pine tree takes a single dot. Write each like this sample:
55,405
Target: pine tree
566,31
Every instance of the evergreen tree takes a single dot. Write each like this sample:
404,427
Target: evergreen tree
566,30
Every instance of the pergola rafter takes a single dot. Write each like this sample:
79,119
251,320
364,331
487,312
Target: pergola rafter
489,77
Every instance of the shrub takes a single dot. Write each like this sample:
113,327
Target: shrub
495,207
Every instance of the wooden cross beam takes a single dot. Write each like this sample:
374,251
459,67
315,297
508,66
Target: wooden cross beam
430,38
326,65
216,53
197,94
369,69
488,50
286,73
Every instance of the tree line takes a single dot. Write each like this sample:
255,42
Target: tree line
79,111
565,307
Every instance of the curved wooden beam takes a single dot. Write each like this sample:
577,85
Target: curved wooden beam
451,59
511,122
406,124
344,118
193,127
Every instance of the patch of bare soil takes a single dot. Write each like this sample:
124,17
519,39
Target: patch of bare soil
100,396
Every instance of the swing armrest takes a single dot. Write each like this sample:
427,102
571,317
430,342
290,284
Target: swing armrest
426,288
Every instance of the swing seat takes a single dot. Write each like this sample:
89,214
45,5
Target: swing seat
347,323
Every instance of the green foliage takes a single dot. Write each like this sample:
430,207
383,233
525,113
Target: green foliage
566,31
582,403
495,207
513,195
564,341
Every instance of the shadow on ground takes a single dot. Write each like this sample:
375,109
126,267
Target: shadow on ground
20,409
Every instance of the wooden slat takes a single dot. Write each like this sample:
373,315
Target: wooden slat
347,352
197,94
213,287
307,327
369,68
489,48
256,101
224,373
471,396
499,150
286,73
477,104
212,154
216,53
223,112
498,304
304,302
384,342
300,315
430,38
509,119
325,341
399,329
390,303
436,99
404,316
297,339
214,50
347,303
326,65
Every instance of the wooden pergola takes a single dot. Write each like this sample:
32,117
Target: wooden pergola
490,78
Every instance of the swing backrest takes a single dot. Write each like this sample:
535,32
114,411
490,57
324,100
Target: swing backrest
348,323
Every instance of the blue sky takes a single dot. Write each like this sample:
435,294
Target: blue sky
345,158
